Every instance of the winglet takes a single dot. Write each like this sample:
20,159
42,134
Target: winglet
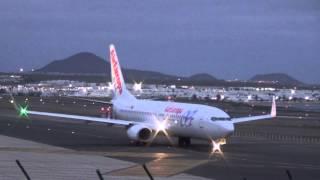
274,107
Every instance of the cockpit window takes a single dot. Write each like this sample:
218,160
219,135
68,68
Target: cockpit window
220,119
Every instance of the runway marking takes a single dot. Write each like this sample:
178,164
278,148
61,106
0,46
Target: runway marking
258,164
160,168
59,150
37,150
243,160
145,155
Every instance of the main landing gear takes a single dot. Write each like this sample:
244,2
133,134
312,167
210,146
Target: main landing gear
184,141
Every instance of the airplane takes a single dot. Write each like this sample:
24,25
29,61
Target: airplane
144,119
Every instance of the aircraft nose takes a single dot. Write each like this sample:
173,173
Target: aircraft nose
228,127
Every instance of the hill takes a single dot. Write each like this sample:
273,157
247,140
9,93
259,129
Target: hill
202,77
90,64
279,78
86,66
82,63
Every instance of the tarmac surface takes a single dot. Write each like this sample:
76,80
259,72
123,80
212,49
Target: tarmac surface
287,146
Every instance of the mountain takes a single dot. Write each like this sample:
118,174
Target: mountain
279,78
90,64
84,62
86,66
202,77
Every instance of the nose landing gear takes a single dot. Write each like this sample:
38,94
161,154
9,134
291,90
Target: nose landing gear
216,145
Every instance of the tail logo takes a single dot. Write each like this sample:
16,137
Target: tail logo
116,72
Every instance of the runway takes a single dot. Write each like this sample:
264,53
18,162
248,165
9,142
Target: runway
263,150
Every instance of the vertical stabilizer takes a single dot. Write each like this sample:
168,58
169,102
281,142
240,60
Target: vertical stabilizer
119,86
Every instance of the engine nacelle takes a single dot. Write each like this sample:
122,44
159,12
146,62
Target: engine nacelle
139,133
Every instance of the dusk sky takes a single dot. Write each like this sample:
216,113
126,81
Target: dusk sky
225,38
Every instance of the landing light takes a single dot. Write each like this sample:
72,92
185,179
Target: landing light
161,126
216,146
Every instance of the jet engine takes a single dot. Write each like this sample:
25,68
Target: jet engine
139,133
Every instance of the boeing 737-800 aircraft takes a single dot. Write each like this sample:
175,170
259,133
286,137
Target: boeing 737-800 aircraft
144,119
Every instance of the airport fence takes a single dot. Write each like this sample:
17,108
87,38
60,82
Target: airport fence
300,139
148,173
99,174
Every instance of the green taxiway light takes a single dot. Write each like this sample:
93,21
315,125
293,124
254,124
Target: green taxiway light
23,112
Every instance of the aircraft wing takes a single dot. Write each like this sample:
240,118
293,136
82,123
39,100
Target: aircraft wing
255,118
252,118
83,118
92,100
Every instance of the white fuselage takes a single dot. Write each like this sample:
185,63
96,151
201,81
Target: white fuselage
183,120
